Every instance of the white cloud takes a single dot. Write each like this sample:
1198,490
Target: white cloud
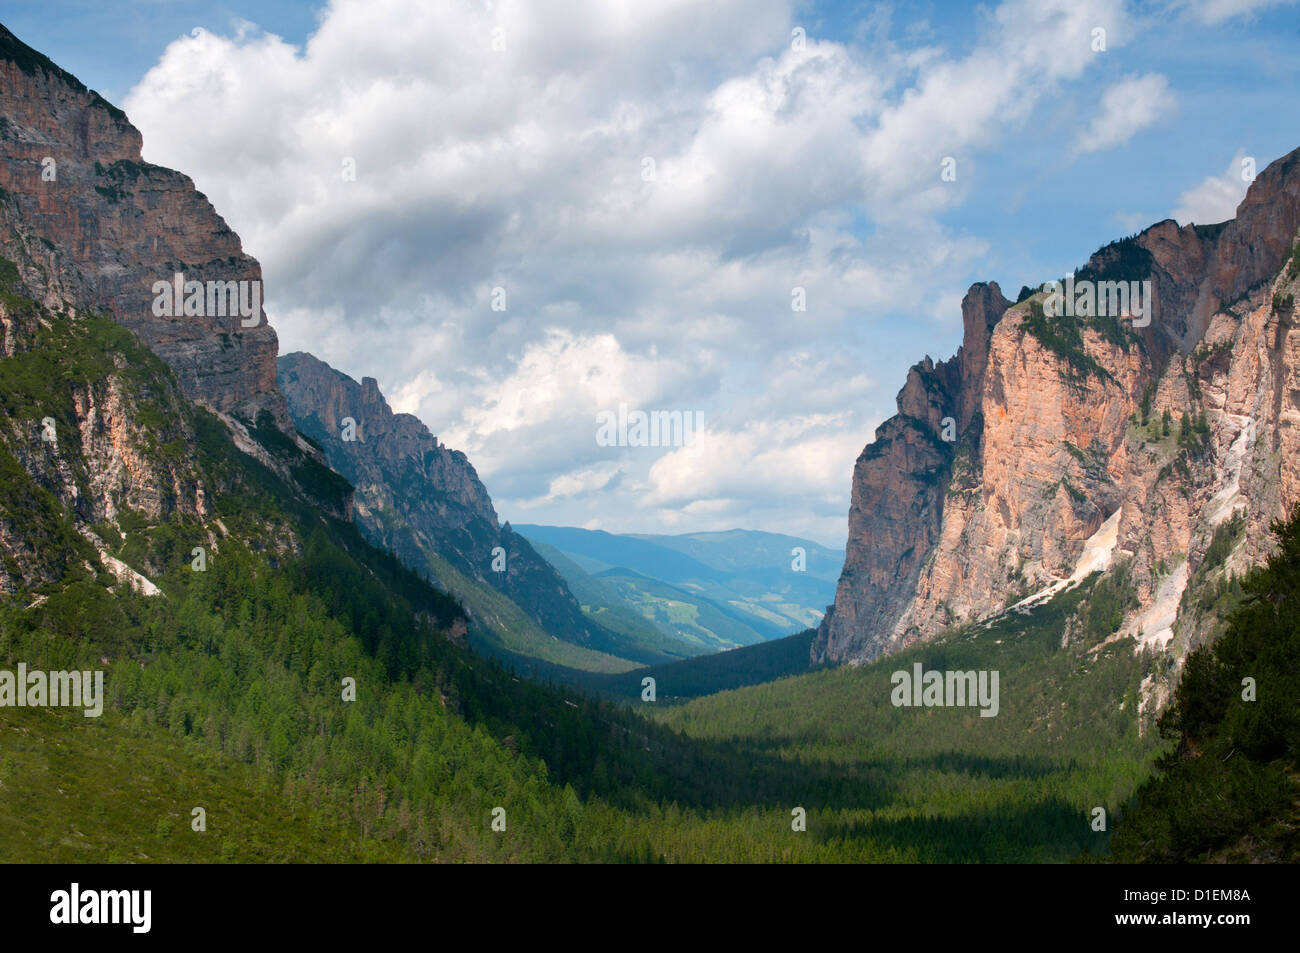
1127,107
407,398
523,170
812,455
1213,200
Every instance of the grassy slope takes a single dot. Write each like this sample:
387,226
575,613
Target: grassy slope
602,603
1018,786
76,789
686,615
500,627
761,579
738,581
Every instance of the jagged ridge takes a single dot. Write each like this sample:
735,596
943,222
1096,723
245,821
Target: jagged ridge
1059,427
417,497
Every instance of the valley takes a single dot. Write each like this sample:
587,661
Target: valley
1062,628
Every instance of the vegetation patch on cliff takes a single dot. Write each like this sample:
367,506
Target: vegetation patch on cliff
1063,337
1122,260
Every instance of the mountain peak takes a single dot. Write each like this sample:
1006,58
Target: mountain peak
114,232
1057,425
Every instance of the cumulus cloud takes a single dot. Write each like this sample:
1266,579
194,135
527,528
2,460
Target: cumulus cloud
1215,199
813,453
1127,107
577,483
516,215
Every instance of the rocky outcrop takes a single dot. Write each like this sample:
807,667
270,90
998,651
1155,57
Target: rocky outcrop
111,225
1060,431
417,498
899,483
382,446
100,424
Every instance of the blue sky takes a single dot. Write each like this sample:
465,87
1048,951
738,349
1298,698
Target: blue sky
522,168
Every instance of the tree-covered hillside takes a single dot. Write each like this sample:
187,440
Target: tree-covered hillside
1230,790
1019,786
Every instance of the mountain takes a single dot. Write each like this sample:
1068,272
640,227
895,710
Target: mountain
424,502
111,225
602,601
102,399
598,550
316,696
739,549
1090,443
713,590
88,228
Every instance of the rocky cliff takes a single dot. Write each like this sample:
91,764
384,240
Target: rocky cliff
88,229
1078,444
108,472
417,497
897,509
109,226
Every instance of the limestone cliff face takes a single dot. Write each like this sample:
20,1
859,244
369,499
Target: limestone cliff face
98,421
92,428
416,497
110,225
1060,460
897,511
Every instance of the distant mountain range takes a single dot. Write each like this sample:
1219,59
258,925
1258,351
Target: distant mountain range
710,591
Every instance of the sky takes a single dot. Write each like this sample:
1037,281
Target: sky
518,216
